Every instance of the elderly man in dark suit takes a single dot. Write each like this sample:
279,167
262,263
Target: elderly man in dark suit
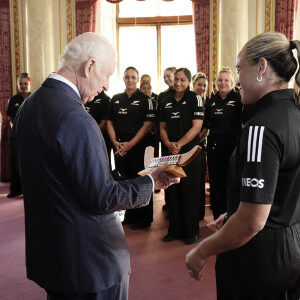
75,244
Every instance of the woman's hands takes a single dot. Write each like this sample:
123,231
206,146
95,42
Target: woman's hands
217,223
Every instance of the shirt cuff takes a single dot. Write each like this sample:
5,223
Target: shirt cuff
153,184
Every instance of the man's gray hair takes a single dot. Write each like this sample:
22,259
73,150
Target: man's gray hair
85,46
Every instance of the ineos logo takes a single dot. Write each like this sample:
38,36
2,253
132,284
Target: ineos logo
253,182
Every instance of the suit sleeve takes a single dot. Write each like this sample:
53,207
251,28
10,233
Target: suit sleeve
83,152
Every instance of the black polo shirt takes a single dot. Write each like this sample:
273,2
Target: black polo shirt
129,114
223,117
265,167
163,95
98,108
179,115
13,105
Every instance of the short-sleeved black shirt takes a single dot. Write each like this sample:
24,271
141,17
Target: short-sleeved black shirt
129,114
223,117
163,95
265,167
13,105
99,107
179,115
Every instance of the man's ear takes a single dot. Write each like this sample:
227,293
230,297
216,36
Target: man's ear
89,67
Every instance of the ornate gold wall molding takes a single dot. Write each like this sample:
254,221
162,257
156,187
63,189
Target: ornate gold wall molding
69,20
15,42
269,15
215,35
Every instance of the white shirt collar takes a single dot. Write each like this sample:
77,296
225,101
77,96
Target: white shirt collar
65,80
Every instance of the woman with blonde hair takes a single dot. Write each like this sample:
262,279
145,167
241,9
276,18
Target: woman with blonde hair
222,120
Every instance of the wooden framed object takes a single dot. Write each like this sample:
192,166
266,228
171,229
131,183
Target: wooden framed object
175,162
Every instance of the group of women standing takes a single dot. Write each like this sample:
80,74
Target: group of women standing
183,118
253,172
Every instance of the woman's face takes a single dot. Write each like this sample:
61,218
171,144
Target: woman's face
131,79
24,85
224,83
145,79
200,86
146,89
181,82
169,78
247,80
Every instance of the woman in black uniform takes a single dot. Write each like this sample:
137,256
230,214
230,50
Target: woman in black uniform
222,120
98,108
169,81
181,117
200,84
131,118
258,247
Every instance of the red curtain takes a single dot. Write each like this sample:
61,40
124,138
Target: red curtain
201,25
5,90
285,17
85,16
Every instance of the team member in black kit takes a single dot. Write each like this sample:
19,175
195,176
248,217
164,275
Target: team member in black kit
223,121
200,84
131,118
24,86
181,118
259,245
169,81
98,109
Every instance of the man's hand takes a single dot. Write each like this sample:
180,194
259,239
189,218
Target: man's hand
163,179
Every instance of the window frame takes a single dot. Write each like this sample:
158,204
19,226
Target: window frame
158,21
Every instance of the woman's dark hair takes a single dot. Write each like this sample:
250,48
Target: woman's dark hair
132,68
24,75
186,71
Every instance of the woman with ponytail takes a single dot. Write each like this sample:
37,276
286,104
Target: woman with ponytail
258,241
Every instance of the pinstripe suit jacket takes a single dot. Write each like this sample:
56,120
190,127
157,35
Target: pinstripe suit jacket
75,242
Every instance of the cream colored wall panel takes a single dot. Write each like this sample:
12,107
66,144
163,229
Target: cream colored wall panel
39,32
260,16
39,39
233,31
252,18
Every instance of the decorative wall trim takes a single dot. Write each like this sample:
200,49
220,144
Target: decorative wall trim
257,15
69,21
270,15
15,43
267,15
215,26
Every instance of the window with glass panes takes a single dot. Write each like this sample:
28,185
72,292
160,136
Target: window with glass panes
154,35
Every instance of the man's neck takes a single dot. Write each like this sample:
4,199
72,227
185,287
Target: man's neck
70,75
